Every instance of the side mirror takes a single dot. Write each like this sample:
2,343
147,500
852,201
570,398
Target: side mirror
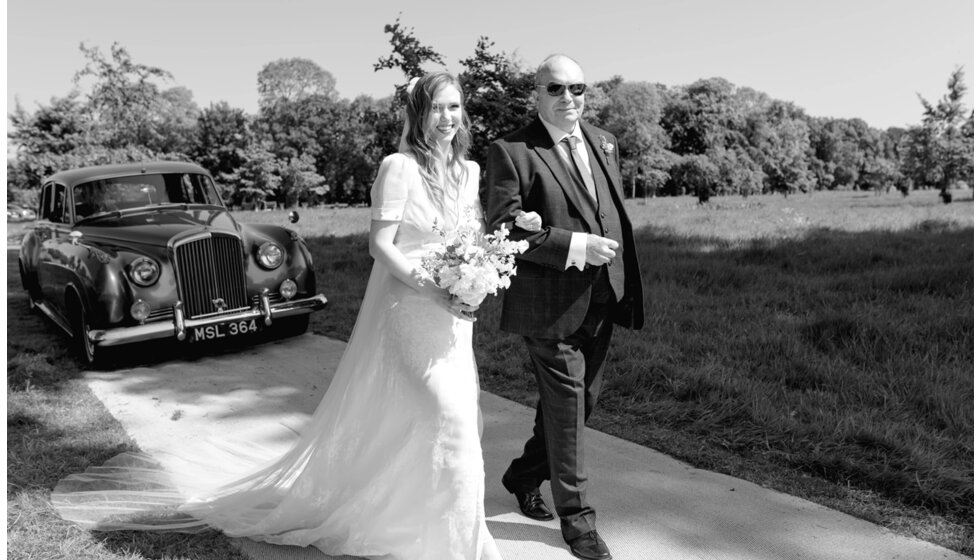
293,217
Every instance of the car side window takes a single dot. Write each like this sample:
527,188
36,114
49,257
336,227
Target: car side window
58,207
44,207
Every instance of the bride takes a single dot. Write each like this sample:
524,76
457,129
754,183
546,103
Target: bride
390,464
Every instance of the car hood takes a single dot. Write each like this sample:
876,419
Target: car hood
157,227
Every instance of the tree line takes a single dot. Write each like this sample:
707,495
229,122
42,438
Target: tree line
307,145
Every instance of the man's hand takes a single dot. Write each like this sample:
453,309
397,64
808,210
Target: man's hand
528,221
599,250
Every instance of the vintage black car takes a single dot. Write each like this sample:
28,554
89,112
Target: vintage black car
134,252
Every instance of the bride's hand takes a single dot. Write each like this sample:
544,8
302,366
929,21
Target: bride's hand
529,221
462,311
446,300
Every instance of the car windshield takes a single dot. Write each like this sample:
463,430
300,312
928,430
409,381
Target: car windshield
120,193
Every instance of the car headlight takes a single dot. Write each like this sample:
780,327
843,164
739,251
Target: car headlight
269,255
144,271
288,289
140,310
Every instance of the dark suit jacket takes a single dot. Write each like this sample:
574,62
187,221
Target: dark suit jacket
525,172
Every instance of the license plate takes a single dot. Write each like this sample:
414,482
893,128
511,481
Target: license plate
223,330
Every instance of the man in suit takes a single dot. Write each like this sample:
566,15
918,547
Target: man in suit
579,276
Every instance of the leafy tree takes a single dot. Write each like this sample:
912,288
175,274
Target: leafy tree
408,53
738,172
222,136
826,152
729,126
338,135
124,117
940,151
174,117
353,150
40,141
122,97
61,136
499,96
891,142
293,79
383,119
880,174
292,128
597,99
701,116
782,143
967,132
256,180
300,128
612,83
842,151
632,113
694,173
55,129
298,180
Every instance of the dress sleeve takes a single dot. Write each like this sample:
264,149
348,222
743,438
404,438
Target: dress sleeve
390,190
473,189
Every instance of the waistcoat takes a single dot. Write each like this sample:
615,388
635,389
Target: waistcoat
607,216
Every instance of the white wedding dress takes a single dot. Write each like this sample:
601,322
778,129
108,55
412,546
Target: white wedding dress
390,464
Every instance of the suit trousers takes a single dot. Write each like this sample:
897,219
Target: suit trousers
569,375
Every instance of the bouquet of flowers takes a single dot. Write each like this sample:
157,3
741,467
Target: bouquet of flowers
472,265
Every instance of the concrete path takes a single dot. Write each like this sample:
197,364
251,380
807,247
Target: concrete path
650,506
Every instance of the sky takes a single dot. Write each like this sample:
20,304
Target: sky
865,59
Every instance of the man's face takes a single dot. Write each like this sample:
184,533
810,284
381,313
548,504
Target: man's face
565,109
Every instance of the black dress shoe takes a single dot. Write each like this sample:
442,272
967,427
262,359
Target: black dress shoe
589,546
532,505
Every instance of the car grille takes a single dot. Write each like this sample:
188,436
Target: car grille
211,275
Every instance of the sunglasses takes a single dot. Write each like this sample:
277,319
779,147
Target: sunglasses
556,90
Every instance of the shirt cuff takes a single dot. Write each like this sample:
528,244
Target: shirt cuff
576,251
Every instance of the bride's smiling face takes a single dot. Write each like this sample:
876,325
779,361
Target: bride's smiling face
445,116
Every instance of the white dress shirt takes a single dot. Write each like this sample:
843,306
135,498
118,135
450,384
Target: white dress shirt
576,249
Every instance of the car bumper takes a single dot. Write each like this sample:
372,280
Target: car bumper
179,326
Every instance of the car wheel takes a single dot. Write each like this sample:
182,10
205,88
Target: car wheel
29,281
83,346
291,326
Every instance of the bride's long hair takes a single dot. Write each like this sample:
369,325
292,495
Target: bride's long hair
418,104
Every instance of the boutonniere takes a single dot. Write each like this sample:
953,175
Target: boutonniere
606,146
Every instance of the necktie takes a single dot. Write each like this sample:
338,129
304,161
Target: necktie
583,171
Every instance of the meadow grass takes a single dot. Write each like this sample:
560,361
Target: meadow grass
818,344
821,345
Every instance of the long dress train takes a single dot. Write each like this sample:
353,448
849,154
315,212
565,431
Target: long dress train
389,466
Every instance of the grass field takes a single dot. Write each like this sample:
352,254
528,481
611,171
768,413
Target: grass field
818,344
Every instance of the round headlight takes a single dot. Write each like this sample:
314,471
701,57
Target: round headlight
140,310
144,271
269,255
287,289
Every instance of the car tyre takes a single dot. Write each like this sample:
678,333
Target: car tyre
29,281
85,349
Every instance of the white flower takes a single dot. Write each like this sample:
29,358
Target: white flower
605,144
469,265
